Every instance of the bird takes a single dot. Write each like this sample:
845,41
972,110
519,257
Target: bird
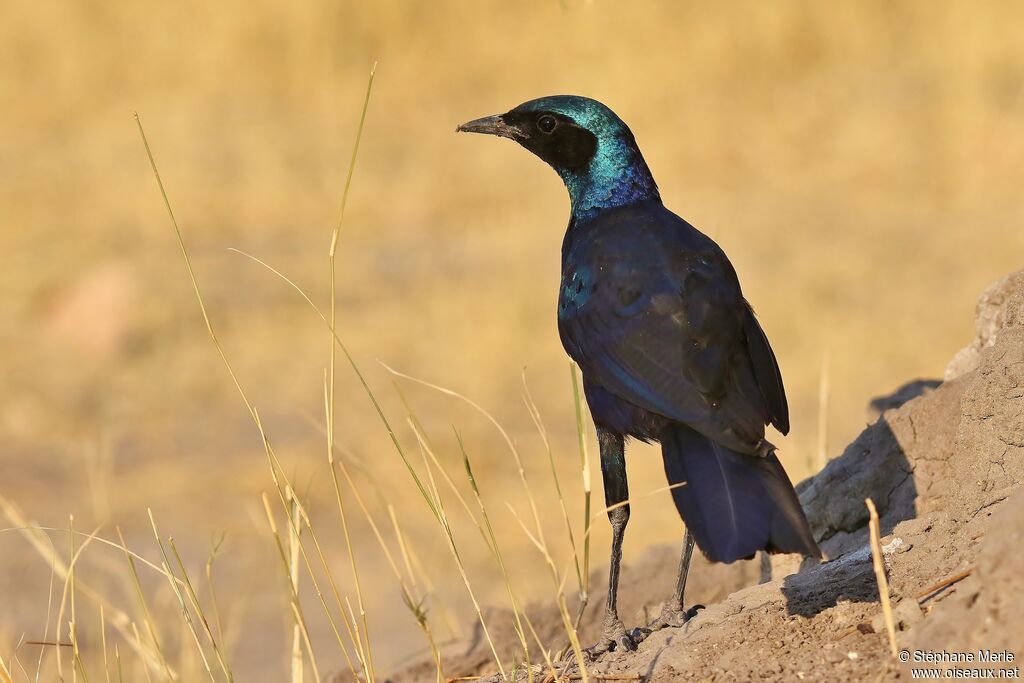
670,351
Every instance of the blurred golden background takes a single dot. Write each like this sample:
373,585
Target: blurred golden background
859,161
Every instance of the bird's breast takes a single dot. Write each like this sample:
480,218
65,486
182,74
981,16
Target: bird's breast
578,284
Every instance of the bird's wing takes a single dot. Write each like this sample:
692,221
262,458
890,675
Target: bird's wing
766,371
667,329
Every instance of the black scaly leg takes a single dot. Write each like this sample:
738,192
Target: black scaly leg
684,569
675,612
616,492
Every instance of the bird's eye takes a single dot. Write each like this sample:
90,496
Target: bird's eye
546,123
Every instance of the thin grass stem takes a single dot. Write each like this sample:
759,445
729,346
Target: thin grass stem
453,548
198,609
534,412
516,607
283,555
585,474
186,615
103,644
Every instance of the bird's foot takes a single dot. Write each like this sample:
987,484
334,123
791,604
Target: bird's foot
614,638
674,617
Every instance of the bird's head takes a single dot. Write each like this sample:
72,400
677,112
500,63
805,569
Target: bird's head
590,147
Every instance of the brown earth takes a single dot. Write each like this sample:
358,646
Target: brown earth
944,466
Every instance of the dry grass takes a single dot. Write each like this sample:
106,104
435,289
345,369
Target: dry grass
859,161
878,562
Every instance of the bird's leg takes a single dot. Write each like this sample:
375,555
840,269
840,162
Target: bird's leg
675,613
616,495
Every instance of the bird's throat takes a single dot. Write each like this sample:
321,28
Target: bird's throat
617,175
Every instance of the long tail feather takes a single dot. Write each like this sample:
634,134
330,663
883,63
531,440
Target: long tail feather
733,504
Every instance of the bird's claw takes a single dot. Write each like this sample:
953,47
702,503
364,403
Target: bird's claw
616,639
674,617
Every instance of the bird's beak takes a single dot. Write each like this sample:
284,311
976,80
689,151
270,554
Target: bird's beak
490,125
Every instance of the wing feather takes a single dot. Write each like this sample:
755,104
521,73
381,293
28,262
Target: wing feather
666,328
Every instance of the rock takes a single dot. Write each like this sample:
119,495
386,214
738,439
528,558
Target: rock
895,462
988,458
907,613
894,546
985,610
904,615
991,316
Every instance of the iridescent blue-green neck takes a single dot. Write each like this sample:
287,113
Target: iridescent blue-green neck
616,175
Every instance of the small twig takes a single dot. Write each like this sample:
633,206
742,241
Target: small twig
883,583
47,643
945,583
823,401
846,632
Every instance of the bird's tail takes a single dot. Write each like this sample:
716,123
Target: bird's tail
733,504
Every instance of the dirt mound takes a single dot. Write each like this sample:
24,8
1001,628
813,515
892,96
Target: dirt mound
944,469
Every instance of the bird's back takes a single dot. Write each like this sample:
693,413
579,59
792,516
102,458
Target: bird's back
652,311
